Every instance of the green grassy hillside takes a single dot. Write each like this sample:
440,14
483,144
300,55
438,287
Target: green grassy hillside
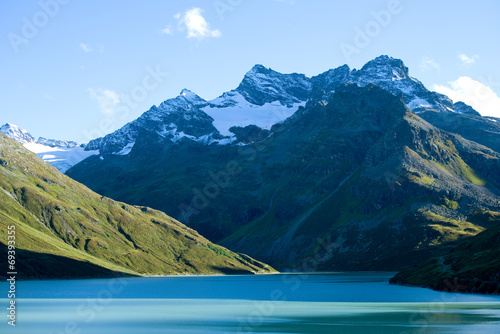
472,266
63,229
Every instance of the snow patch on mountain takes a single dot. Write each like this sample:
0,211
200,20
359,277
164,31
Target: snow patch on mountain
59,153
126,150
419,103
61,158
235,110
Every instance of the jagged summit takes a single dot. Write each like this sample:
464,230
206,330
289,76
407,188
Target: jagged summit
384,68
22,136
263,85
191,96
259,68
186,99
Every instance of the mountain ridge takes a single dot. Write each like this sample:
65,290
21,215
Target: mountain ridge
265,97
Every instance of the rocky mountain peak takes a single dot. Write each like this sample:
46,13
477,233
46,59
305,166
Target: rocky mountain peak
190,96
263,85
385,67
259,68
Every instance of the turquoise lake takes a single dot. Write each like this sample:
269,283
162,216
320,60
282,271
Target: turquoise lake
282,303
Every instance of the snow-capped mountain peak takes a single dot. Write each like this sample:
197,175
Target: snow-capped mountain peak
189,96
259,68
18,134
263,98
263,85
185,100
385,68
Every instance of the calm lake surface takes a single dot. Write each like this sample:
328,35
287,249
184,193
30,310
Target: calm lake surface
283,303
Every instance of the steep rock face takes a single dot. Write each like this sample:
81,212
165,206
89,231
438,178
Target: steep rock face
483,130
263,85
60,222
392,75
173,119
363,174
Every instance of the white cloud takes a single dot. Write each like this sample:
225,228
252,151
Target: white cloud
429,64
474,93
85,47
167,30
466,60
108,100
195,24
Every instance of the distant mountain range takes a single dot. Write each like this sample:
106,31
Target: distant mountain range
59,153
266,97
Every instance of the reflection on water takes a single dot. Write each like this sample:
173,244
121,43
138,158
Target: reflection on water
320,303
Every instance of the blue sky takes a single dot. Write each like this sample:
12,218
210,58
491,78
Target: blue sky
79,69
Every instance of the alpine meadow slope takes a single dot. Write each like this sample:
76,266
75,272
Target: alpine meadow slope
472,266
364,175
65,230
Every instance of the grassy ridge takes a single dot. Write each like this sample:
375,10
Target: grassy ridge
57,217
